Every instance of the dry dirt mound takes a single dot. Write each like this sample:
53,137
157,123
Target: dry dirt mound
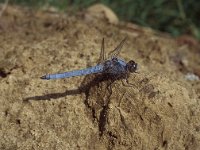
161,110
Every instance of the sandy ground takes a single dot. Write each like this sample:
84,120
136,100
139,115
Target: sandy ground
161,110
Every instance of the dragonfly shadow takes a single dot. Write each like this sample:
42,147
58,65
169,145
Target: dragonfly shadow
98,90
96,87
88,82
53,95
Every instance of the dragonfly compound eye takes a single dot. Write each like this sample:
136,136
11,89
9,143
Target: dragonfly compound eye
131,66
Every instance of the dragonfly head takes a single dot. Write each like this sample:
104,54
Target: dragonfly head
131,66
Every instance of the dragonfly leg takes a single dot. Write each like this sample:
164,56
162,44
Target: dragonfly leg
122,118
127,83
120,100
120,93
109,87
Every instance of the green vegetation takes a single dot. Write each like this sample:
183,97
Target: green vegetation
173,16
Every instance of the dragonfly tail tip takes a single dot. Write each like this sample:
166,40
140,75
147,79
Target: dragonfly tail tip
43,77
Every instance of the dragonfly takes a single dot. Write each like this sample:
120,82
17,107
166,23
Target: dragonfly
112,66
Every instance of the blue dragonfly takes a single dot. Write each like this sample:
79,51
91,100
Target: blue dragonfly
112,66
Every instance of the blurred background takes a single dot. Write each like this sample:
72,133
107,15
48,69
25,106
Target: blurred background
177,17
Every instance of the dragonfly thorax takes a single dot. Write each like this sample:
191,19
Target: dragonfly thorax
115,67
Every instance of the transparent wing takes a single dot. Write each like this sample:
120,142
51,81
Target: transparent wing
102,54
117,50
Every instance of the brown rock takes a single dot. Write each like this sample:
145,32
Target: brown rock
102,11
